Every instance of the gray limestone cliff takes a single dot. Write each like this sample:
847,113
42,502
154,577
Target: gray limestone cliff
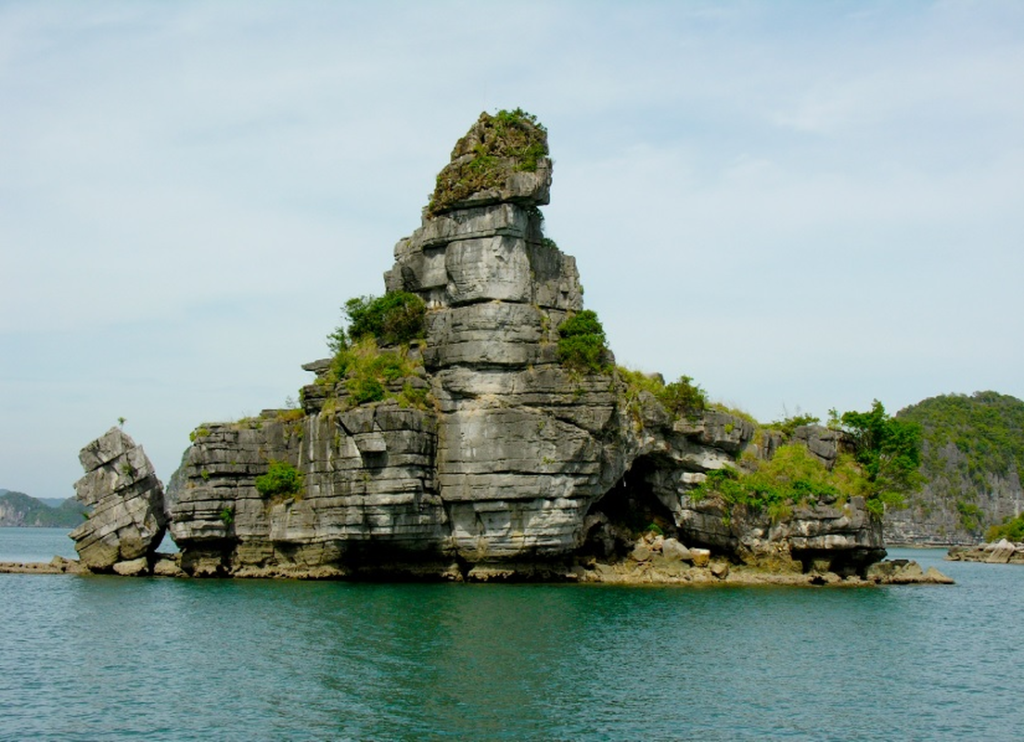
972,462
127,518
955,510
487,456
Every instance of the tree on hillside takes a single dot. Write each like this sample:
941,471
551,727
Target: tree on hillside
888,450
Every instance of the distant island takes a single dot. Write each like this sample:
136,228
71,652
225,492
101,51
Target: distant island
972,467
20,510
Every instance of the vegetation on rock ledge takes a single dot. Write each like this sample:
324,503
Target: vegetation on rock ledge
581,343
282,480
889,452
793,476
682,398
507,142
1012,529
787,426
881,466
368,371
392,319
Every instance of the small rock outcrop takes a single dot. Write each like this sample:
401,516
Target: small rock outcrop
828,536
659,560
127,517
905,572
999,552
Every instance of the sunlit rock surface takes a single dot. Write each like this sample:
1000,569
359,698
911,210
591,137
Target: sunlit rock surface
127,517
514,466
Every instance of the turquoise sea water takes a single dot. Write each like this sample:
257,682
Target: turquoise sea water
87,658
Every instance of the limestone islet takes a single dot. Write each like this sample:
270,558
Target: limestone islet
488,458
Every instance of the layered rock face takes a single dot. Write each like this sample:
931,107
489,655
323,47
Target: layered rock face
369,487
829,535
128,518
509,458
521,443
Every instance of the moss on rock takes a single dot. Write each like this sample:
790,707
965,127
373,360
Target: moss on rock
488,157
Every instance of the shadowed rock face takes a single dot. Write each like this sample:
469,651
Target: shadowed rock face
128,520
513,459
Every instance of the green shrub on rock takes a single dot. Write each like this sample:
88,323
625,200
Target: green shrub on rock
792,477
365,389
1012,529
507,142
373,351
581,343
888,451
282,480
392,319
683,397
370,373
787,426
881,468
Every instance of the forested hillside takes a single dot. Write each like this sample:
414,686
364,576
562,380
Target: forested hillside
973,463
18,509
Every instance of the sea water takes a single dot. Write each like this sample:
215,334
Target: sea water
90,658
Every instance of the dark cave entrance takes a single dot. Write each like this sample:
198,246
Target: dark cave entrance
618,518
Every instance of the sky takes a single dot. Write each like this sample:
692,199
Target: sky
800,205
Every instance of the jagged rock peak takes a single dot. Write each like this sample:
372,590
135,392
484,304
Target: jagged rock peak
502,158
481,238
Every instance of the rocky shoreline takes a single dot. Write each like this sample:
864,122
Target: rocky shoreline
1000,552
652,563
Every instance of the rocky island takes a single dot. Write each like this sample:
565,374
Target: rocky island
472,425
972,462
998,552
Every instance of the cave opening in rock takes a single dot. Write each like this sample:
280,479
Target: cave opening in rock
619,517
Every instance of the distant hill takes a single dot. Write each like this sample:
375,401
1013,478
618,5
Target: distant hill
53,502
973,463
18,509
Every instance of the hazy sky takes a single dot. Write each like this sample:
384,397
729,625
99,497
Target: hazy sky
802,205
